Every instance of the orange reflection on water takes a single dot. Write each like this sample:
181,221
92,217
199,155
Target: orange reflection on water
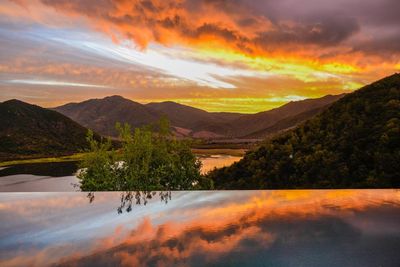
216,227
217,161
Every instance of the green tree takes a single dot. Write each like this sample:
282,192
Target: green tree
148,160
97,171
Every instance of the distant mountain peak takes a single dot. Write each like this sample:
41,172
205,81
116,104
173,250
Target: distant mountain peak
102,114
114,97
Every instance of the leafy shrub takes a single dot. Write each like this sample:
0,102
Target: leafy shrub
147,161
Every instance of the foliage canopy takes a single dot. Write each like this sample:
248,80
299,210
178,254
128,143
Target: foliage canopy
355,143
147,161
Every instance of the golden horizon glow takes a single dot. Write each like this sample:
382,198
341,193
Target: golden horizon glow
240,105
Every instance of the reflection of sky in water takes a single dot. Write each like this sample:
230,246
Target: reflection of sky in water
217,161
225,228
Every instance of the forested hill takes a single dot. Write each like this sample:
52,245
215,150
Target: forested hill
354,143
29,131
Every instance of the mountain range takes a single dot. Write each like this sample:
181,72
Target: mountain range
101,115
30,131
355,143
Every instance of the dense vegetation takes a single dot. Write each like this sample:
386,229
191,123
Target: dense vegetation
147,161
29,131
354,143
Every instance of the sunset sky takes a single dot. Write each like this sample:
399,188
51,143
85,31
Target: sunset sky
219,55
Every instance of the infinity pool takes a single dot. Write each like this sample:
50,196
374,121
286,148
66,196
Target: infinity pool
220,228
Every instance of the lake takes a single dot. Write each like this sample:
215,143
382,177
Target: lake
60,176
220,228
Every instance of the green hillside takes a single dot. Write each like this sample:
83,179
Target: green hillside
29,131
354,143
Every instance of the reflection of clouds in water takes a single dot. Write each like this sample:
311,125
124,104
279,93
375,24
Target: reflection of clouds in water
35,183
199,228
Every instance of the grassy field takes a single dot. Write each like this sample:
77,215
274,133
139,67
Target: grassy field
74,157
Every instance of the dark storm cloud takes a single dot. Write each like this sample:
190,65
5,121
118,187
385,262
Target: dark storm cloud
389,45
325,32
377,23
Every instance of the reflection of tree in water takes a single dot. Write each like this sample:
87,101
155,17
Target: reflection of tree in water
130,198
